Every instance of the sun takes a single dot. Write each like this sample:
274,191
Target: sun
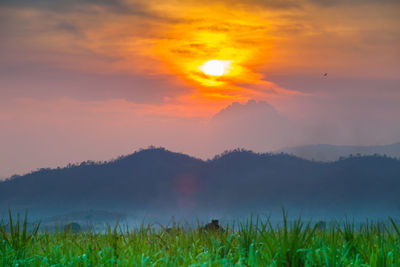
215,67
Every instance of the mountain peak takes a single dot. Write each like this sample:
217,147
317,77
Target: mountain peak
250,108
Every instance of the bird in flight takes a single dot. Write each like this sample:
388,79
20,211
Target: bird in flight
325,74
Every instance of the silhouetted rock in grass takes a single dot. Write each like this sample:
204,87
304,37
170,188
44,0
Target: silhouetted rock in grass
213,226
321,225
171,230
4,227
72,227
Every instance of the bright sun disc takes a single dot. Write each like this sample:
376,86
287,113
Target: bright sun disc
215,67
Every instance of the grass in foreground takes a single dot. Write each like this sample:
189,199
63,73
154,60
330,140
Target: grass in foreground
253,243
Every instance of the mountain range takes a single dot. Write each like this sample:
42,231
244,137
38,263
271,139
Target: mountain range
156,179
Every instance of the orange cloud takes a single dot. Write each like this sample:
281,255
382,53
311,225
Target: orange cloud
224,36
181,46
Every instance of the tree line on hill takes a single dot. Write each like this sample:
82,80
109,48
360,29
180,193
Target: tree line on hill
156,178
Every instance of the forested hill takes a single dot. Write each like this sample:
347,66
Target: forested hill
158,179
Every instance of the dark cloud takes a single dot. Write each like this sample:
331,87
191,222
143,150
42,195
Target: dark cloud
328,3
61,5
301,3
68,27
83,6
133,8
141,7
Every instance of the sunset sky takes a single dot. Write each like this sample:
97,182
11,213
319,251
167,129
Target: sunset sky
91,80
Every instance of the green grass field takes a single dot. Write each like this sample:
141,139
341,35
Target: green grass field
253,243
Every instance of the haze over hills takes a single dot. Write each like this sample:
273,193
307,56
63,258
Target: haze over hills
324,152
254,125
156,179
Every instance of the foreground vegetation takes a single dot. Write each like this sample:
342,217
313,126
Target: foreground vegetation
253,243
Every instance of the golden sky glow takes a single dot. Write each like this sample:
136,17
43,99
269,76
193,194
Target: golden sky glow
219,56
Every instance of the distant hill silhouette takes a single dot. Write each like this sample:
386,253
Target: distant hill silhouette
325,152
158,179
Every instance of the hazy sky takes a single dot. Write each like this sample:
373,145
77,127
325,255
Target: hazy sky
93,80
